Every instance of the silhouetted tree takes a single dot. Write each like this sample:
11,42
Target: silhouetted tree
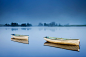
40,24
52,24
24,24
59,24
67,24
56,25
45,24
29,24
0,24
14,24
7,24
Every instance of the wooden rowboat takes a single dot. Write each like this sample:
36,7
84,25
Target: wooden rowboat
62,40
17,36
20,40
67,47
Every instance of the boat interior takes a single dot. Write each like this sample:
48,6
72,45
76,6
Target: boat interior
54,38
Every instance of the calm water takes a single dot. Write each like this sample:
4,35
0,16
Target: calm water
36,46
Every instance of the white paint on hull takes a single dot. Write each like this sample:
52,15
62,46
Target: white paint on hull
71,42
20,37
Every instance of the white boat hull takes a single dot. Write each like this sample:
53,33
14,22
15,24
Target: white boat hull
20,37
70,42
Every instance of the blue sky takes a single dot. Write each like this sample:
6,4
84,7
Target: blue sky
35,11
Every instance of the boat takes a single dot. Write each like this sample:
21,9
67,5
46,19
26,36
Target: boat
67,47
62,40
17,36
20,40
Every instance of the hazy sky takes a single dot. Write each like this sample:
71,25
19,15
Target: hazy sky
35,11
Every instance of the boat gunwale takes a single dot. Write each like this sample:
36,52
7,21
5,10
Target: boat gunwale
61,38
19,35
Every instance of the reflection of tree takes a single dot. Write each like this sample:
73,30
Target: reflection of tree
25,28
7,28
40,29
45,29
51,29
14,29
28,28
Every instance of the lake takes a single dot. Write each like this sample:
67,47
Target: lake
36,46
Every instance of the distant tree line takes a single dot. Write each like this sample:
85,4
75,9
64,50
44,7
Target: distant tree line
49,24
16,24
55,24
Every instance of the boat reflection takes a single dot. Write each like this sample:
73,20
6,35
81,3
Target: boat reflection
68,47
20,40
